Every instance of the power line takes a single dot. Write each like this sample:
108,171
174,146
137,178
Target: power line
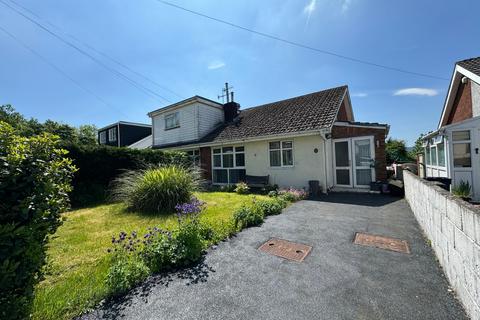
105,55
301,45
63,73
105,66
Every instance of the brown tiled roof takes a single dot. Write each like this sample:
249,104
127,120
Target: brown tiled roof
312,111
472,65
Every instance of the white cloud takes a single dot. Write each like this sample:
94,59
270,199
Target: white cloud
308,10
360,94
310,7
346,5
416,92
216,64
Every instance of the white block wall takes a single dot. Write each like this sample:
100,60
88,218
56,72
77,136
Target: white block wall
453,227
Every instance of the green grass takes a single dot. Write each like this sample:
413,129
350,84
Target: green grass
78,261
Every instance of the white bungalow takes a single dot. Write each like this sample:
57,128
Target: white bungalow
452,150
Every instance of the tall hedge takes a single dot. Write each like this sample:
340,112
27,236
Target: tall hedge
35,178
98,166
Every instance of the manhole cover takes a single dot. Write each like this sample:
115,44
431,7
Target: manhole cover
386,243
286,249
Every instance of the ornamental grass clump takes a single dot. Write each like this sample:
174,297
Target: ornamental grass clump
156,189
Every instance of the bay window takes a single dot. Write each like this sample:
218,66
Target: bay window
228,165
281,153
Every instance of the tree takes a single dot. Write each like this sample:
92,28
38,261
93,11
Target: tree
87,134
418,147
396,151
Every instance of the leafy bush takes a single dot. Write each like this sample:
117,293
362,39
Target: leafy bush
463,189
127,269
292,194
159,250
248,216
156,189
100,165
35,179
271,207
241,188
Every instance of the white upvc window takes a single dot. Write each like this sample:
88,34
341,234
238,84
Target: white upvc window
281,153
194,156
172,121
112,134
103,137
461,143
228,165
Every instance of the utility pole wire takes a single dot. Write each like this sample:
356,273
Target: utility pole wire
301,45
98,51
105,66
63,73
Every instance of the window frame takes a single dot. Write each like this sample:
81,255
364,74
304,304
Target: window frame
176,116
234,152
112,134
454,142
281,149
194,156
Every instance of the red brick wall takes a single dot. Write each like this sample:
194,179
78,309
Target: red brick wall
462,105
339,132
206,162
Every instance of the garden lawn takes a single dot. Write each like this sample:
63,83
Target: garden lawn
77,255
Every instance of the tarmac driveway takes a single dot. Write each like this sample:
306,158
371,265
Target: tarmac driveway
337,280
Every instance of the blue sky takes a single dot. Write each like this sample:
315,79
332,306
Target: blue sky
191,55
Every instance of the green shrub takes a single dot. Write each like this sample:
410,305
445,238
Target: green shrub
248,216
156,189
292,194
463,189
35,179
242,188
100,165
271,207
124,273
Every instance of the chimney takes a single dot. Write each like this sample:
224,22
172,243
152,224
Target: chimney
230,110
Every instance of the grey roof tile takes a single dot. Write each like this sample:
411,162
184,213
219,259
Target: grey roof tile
472,65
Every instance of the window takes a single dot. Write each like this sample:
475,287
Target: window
103,137
281,153
194,156
228,165
427,155
172,121
441,154
433,155
112,134
461,149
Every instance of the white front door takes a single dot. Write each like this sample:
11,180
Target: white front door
363,171
342,155
353,160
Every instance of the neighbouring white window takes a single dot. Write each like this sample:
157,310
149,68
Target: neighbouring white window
103,137
172,121
228,165
427,155
112,134
194,156
281,153
433,155
462,156
441,154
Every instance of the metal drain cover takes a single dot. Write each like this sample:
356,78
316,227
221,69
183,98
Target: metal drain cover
286,249
370,240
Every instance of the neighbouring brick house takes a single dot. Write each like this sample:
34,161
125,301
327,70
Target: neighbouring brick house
310,137
452,150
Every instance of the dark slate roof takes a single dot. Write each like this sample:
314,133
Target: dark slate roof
472,65
312,111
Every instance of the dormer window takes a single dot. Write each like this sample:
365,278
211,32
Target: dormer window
172,121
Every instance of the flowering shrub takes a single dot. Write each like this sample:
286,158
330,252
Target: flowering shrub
242,188
292,194
273,206
248,215
158,250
